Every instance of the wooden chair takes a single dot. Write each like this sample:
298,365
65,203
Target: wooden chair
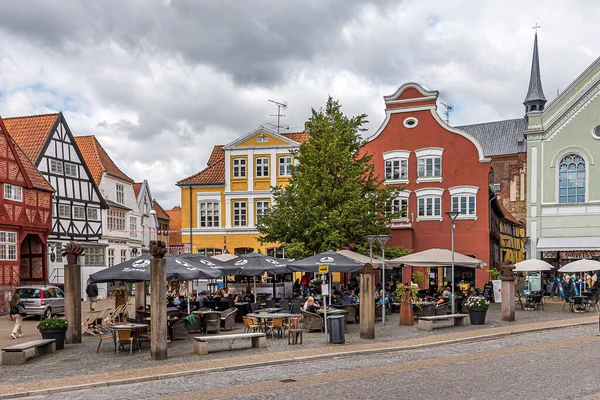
250,324
105,333
275,323
90,325
293,331
123,336
115,316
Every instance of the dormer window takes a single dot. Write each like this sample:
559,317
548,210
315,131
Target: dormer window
396,166
120,193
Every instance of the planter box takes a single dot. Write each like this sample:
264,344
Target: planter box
477,316
58,334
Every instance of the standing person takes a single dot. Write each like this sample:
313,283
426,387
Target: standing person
555,287
305,282
16,312
92,293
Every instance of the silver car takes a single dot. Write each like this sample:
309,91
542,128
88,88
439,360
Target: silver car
42,300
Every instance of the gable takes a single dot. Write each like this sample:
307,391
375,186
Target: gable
263,139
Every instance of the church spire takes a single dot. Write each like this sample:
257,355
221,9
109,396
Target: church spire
535,99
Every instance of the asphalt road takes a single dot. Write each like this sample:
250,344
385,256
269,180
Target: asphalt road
556,364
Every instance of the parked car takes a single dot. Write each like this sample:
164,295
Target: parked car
42,300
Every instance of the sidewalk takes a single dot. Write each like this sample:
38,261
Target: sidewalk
79,364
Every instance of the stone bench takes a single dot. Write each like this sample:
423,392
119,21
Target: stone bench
427,323
19,353
259,340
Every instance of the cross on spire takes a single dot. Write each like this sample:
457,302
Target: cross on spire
536,27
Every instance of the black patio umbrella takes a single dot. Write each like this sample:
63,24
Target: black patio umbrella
211,263
138,269
335,261
255,264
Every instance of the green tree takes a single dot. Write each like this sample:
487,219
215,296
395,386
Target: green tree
333,198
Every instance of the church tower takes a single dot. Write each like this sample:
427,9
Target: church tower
535,99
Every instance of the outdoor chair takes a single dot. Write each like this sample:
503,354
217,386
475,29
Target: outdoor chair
441,309
194,323
378,313
577,303
351,314
250,324
124,336
104,333
427,310
519,299
272,325
173,313
115,316
567,302
204,309
296,306
90,325
270,303
213,322
537,301
311,321
228,318
285,305
254,306
179,330
593,301
293,332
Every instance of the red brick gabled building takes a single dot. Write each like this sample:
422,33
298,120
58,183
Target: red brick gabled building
441,169
25,219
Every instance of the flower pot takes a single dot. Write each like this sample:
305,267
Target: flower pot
406,314
58,334
477,316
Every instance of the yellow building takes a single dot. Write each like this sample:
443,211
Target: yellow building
512,233
221,204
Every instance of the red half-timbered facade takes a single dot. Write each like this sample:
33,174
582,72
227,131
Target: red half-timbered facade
25,219
441,169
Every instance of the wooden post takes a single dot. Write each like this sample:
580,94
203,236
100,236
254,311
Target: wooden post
73,302
140,295
406,311
158,301
367,303
508,298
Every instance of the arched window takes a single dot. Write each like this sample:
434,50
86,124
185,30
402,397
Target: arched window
571,179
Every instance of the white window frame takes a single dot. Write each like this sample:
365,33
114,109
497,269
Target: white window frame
133,227
262,167
240,211
57,167
208,209
402,202
425,154
286,165
399,156
239,168
111,257
71,170
586,167
79,209
92,214
8,246
64,207
115,220
464,192
262,207
94,256
429,195
120,190
13,192
123,255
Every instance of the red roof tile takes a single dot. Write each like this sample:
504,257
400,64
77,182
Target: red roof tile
160,212
98,160
136,188
508,215
31,132
216,155
212,175
299,137
175,226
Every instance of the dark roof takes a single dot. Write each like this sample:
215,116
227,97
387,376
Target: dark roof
499,137
535,91
116,205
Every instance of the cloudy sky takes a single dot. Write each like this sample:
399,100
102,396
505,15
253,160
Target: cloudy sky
160,82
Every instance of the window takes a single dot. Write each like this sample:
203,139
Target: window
396,169
262,138
571,179
92,214
111,257
56,167
285,166
120,193
94,256
411,122
64,211
116,220
209,214
429,167
430,207
276,252
596,132
210,252
123,256
239,213
13,192
262,208
465,205
78,212
71,170
399,207
262,166
133,226
239,167
8,246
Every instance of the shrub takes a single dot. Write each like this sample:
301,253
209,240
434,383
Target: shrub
53,323
477,302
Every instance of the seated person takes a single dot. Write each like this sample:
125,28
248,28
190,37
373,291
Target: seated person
202,298
249,297
346,300
311,305
354,297
445,296
171,302
230,299
182,303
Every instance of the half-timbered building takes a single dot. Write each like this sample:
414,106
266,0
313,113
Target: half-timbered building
76,210
25,219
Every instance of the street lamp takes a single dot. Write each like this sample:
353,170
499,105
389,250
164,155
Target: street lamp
452,215
382,239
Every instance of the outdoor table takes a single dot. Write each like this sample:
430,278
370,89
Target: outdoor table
170,321
270,310
270,316
135,328
331,311
202,315
243,309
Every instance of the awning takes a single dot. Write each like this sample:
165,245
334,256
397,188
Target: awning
568,243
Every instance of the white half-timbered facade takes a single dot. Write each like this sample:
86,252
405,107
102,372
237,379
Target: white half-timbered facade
149,223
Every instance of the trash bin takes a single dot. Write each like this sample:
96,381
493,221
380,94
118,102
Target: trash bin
336,329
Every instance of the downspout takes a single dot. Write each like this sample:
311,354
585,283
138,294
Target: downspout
490,217
191,219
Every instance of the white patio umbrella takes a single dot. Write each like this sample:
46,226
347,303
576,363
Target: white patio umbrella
583,265
532,265
438,258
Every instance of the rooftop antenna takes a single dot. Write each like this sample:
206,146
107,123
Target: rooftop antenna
279,114
447,112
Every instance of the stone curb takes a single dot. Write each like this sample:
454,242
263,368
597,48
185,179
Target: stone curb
282,362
